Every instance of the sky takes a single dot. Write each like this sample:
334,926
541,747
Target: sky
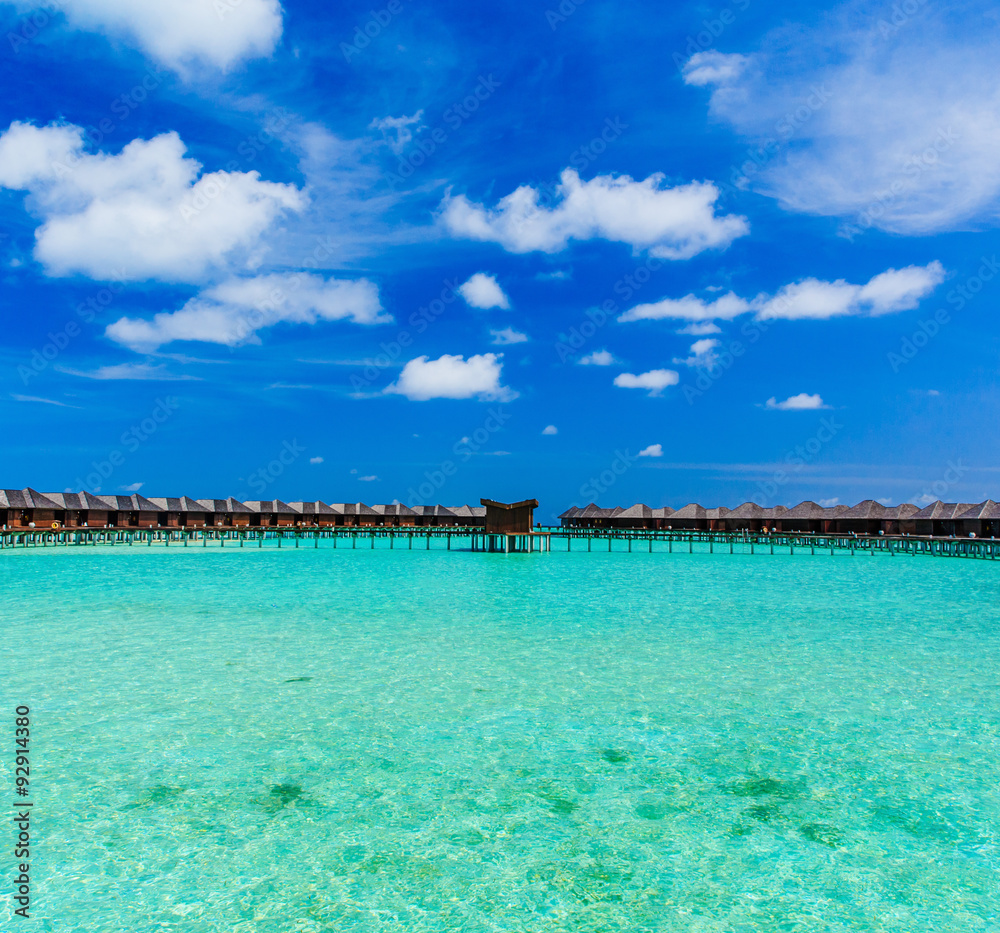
582,251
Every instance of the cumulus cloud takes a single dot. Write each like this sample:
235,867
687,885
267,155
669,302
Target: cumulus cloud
396,130
141,214
713,67
828,503
654,382
703,354
232,312
483,291
800,402
550,429
886,293
886,125
178,33
700,329
508,335
452,377
653,450
671,223
597,358
132,487
688,308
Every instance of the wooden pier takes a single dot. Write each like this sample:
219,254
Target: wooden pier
477,539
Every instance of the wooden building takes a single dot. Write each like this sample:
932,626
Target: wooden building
982,520
396,514
272,513
133,511
225,513
317,514
434,515
863,519
513,518
28,508
468,515
940,518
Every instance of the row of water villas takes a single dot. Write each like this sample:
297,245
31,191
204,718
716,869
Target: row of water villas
941,519
27,508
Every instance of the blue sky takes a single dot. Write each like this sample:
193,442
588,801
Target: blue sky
713,252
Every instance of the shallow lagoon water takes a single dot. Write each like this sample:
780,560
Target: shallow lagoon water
317,740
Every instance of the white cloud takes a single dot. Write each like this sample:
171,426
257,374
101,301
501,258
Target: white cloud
653,450
688,308
482,291
703,354
233,311
885,124
671,223
558,275
315,460
700,329
508,335
888,292
655,381
141,214
368,479
132,487
597,358
550,429
142,372
400,126
713,67
177,33
800,402
35,398
452,377
828,503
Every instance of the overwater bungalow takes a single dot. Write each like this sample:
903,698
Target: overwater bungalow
79,510
692,517
226,513
863,519
317,514
660,517
982,520
807,517
636,516
396,514
468,515
133,511
898,519
27,508
435,515
939,518
180,512
747,517
272,513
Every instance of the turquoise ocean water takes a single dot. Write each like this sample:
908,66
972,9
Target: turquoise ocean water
335,740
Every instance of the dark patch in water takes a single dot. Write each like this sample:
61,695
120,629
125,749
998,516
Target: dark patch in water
614,756
763,787
823,834
763,814
286,793
740,830
298,680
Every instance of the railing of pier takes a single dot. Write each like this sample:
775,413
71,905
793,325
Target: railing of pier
472,538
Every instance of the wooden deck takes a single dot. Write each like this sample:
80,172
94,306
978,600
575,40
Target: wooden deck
540,540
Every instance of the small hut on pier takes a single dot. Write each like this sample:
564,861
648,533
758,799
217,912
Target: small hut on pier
692,517
635,516
133,511
317,514
271,513
226,513
513,518
747,517
396,514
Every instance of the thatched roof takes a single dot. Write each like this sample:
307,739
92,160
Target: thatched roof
636,511
867,509
906,510
983,511
691,510
313,508
180,504
594,511
748,510
571,512
133,503
433,511
394,508
719,512
943,511
464,511
271,506
664,512
224,505
806,510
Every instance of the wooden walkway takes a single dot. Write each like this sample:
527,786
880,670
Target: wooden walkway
472,538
